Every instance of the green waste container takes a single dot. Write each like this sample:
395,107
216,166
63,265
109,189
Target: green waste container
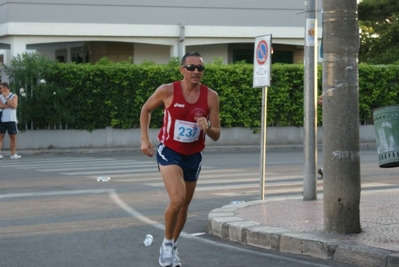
386,124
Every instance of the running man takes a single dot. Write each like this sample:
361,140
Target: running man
191,112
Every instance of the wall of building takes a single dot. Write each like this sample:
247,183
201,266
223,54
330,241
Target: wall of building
210,52
159,54
153,30
114,51
40,25
282,13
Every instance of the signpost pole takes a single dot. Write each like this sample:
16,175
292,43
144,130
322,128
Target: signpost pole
261,79
263,143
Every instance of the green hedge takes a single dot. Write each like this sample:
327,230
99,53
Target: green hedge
84,96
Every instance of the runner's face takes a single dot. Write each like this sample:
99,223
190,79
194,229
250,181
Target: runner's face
195,75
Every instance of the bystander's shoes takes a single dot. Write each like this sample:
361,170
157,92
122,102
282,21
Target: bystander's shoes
15,156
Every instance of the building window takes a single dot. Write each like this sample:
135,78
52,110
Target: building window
60,55
78,55
246,55
60,59
286,57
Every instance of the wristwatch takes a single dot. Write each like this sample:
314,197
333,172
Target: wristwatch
209,124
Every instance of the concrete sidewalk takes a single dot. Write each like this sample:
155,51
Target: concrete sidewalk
292,225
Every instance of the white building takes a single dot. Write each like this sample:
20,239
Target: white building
153,30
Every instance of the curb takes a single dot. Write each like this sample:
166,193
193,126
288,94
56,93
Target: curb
223,223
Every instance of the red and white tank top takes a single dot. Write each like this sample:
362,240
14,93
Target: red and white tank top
179,130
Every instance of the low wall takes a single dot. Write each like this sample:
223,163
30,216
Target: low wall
118,138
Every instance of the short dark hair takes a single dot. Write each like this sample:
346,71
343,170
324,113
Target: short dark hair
5,85
189,54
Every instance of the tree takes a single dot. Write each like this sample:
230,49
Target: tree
379,23
341,199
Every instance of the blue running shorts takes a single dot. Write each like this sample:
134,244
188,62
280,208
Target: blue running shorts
191,164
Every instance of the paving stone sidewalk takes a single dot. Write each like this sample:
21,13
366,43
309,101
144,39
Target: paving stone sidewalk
292,225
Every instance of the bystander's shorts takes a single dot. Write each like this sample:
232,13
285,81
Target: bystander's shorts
8,126
191,164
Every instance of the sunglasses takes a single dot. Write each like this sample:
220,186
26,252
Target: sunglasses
192,67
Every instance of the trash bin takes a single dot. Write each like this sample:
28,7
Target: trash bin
386,124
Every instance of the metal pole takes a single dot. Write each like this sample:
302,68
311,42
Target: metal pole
263,144
310,104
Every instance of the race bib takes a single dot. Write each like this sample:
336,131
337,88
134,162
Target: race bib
186,132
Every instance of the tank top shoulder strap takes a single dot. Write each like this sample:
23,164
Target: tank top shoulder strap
178,92
176,86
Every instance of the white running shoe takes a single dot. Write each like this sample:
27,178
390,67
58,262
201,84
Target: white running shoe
1,157
166,255
15,156
176,258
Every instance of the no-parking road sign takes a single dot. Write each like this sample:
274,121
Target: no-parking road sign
262,61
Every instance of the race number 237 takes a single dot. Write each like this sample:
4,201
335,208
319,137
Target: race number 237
186,132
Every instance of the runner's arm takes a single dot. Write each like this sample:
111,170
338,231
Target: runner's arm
214,118
154,101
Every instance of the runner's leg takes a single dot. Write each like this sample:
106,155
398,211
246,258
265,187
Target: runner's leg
182,217
175,187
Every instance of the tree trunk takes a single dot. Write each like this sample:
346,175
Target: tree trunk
341,117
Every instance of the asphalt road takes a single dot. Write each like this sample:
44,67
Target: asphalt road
55,213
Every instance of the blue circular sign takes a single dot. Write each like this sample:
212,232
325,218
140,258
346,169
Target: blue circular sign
262,52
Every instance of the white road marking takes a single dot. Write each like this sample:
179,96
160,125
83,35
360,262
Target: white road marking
48,162
198,234
55,193
96,166
104,171
275,181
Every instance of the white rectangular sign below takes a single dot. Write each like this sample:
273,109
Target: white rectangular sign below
262,61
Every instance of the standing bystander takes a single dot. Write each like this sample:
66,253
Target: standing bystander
9,103
191,111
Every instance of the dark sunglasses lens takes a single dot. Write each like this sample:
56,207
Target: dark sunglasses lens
193,67
200,68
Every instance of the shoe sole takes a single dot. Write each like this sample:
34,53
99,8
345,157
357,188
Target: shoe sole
171,265
163,265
